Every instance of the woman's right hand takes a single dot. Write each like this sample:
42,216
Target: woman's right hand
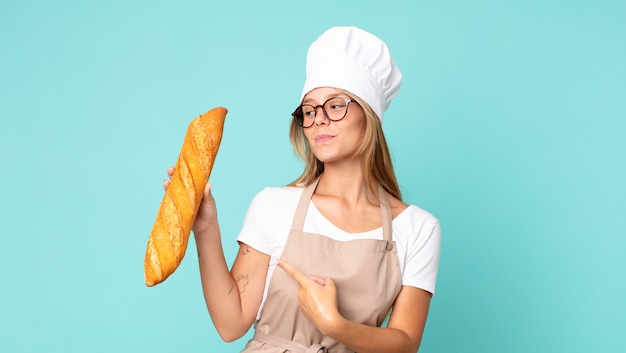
207,213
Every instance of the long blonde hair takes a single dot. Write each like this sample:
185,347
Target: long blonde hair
374,152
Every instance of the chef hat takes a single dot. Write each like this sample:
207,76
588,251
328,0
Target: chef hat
354,60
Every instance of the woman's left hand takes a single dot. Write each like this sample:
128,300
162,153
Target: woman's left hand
317,297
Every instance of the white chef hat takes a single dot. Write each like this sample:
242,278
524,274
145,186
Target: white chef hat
356,61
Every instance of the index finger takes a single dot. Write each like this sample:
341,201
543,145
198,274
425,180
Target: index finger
294,273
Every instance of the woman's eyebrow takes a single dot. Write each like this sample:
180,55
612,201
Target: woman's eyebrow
325,98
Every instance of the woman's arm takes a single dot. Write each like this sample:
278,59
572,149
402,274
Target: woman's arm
402,334
232,297
317,299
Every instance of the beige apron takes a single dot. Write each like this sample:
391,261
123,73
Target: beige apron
365,272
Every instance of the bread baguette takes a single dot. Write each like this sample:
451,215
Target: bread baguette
170,233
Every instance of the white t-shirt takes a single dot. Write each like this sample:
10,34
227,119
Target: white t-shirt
416,232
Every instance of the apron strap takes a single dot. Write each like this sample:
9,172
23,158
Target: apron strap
287,344
385,213
303,205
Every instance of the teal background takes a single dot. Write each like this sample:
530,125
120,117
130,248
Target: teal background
510,127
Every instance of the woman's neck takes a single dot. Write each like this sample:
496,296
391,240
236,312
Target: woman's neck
346,181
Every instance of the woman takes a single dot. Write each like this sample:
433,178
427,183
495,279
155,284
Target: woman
323,260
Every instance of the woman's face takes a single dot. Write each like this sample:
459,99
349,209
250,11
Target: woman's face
333,141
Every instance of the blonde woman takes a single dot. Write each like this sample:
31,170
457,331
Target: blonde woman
324,260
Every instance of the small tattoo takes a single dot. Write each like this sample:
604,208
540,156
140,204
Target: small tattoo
246,251
242,282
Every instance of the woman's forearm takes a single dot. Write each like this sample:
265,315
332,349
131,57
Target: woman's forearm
403,332
317,300
232,297
369,339
219,286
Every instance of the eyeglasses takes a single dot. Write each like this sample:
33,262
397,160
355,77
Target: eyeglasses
334,109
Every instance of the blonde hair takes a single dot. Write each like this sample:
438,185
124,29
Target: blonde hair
374,152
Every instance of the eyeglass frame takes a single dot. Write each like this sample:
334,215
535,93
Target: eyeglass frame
301,121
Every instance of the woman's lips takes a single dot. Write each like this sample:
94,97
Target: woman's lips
323,138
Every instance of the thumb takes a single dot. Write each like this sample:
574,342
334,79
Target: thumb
207,190
329,282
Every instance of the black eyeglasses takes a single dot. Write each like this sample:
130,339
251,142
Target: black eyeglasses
334,109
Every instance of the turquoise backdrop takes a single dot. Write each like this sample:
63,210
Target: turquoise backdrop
510,127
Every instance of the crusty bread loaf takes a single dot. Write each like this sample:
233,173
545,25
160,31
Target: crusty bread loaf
168,240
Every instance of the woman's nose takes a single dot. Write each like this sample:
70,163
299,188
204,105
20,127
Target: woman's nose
320,116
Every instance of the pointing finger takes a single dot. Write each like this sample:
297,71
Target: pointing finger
295,274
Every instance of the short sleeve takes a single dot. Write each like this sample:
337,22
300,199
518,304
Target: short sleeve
268,219
253,230
422,257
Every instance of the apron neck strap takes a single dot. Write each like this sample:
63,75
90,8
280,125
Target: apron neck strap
305,199
385,212
303,205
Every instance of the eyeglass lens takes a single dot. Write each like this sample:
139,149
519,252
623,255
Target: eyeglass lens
334,109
